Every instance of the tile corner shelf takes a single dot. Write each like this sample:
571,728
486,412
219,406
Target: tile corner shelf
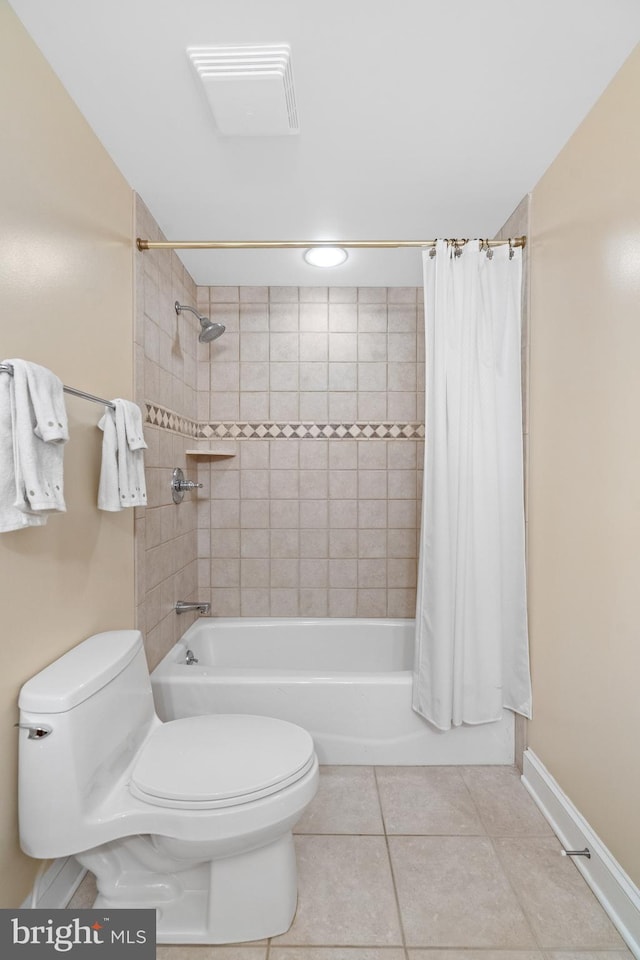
220,448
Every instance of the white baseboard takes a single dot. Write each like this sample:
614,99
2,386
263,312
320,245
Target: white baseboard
614,889
57,884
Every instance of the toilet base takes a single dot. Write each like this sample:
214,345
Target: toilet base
248,896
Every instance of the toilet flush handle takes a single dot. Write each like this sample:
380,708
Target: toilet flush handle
36,732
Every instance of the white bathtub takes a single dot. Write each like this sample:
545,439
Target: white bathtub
348,682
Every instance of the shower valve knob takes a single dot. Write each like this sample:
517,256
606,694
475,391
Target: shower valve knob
188,485
179,485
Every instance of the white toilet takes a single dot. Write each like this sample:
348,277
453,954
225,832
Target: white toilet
191,817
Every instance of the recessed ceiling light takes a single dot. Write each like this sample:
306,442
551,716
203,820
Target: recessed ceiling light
325,256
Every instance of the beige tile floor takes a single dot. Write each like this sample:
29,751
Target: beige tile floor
428,863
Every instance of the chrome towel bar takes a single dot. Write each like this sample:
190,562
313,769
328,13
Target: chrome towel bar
7,368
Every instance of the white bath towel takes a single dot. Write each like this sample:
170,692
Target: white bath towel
10,517
122,481
33,430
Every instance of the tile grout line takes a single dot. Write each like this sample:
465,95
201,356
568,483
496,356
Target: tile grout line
490,838
393,877
473,801
435,836
516,894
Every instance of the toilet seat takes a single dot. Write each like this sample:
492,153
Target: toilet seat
220,760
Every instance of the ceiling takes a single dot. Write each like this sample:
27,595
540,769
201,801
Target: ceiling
418,118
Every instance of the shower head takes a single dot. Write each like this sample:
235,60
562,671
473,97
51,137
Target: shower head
210,330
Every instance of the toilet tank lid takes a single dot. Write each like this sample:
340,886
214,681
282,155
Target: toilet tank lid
80,672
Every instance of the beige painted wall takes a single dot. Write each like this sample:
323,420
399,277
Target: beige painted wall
584,497
66,293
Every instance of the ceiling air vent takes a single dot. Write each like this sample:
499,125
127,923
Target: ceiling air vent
249,88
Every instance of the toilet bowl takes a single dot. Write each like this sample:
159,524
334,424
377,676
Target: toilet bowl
192,817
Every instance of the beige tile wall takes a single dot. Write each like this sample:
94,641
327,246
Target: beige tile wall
312,527
288,527
166,363
313,354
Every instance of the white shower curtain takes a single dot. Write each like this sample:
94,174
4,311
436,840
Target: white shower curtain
472,655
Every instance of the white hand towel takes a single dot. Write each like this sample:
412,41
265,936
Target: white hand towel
132,424
108,490
10,517
39,426
122,481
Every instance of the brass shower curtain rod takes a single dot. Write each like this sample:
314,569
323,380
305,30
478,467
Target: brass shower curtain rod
302,244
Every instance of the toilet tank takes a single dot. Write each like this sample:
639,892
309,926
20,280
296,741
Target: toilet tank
98,703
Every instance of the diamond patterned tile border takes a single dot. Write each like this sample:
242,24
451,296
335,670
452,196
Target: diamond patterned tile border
158,416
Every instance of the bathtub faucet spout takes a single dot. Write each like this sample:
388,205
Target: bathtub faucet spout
184,607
